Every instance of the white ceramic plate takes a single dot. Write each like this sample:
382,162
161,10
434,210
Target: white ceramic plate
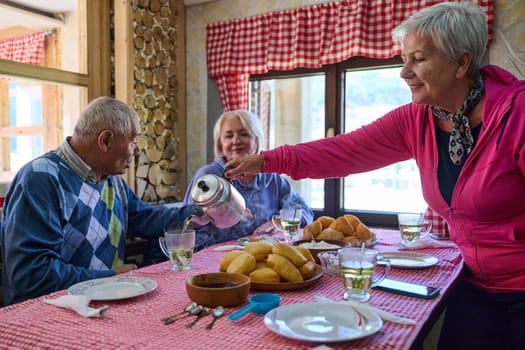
408,260
113,288
322,322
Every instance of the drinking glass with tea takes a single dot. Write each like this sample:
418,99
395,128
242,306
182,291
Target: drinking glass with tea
178,246
412,227
288,221
358,271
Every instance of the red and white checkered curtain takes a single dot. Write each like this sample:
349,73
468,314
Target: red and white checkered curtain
305,37
26,49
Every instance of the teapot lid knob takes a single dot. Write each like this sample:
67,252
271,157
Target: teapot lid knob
203,186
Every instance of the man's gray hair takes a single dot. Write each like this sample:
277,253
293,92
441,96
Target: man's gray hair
106,113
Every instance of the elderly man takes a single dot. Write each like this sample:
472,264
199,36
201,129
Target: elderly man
68,212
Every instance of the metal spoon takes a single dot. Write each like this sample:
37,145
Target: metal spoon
200,315
195,311
217,312
186,309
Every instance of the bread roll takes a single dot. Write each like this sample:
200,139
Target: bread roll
342,225
228,258
330,233
306,253
307,270
362,232
325,221
353,220
284,268
312,229
352,240
260,264
259,250
290,253
266,274
244,263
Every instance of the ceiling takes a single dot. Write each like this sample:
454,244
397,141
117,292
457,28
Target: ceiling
43,15
34,14
51,6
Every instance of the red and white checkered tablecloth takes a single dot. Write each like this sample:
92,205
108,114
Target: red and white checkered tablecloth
135,323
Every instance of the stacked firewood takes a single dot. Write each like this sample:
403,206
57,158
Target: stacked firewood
159,168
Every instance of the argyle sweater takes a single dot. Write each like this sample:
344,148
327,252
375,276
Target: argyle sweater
59,228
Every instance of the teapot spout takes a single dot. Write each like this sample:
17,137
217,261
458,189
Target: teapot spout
199,220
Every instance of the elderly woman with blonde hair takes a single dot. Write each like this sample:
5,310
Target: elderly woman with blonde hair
236,134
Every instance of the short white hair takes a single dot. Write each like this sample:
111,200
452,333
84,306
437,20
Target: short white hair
455,27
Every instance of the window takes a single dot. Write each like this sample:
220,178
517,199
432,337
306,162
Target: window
294,111
41,98
305,105
368,95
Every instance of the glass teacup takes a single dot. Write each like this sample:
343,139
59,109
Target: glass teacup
288,221
178,246
358,267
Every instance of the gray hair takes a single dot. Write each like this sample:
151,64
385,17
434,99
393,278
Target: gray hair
248,120
106,113
454,27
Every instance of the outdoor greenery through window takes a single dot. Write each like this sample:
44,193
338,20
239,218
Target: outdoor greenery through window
299,107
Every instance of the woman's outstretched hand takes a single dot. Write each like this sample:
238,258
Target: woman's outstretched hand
247,165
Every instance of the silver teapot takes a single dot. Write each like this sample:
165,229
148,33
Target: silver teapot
221,203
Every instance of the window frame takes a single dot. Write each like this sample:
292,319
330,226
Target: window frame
334,124
96,81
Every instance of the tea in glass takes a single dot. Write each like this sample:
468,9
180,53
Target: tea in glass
288,221
357,268
178,246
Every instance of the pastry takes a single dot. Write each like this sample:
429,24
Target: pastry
259,250
244,263
284,268
228,258
290,253
265,275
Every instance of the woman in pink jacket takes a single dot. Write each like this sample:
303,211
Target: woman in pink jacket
466,131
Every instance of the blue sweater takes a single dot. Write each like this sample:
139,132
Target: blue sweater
59,228
265,196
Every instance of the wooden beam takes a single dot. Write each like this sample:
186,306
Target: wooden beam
124,77
98,46
50,75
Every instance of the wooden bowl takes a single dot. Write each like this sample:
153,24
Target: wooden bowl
218,289
317,250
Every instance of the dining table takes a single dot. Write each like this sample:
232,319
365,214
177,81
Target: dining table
135,322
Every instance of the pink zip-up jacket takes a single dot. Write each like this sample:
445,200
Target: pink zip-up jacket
487,211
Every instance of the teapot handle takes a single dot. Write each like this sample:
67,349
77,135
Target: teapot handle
199,220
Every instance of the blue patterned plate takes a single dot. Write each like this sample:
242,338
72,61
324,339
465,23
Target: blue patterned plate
113,288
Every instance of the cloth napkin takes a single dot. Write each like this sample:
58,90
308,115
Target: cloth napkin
79,304
427,243
386,316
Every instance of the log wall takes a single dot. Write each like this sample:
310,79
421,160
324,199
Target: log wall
158,79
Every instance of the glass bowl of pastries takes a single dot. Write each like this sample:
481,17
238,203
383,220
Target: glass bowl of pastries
347,228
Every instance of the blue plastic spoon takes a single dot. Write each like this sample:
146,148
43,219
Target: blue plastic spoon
259,304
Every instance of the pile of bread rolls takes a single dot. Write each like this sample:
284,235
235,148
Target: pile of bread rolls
270,263
344,228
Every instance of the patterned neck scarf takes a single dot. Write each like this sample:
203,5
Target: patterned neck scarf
461,140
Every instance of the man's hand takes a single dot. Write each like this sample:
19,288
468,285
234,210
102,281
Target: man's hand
125,268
